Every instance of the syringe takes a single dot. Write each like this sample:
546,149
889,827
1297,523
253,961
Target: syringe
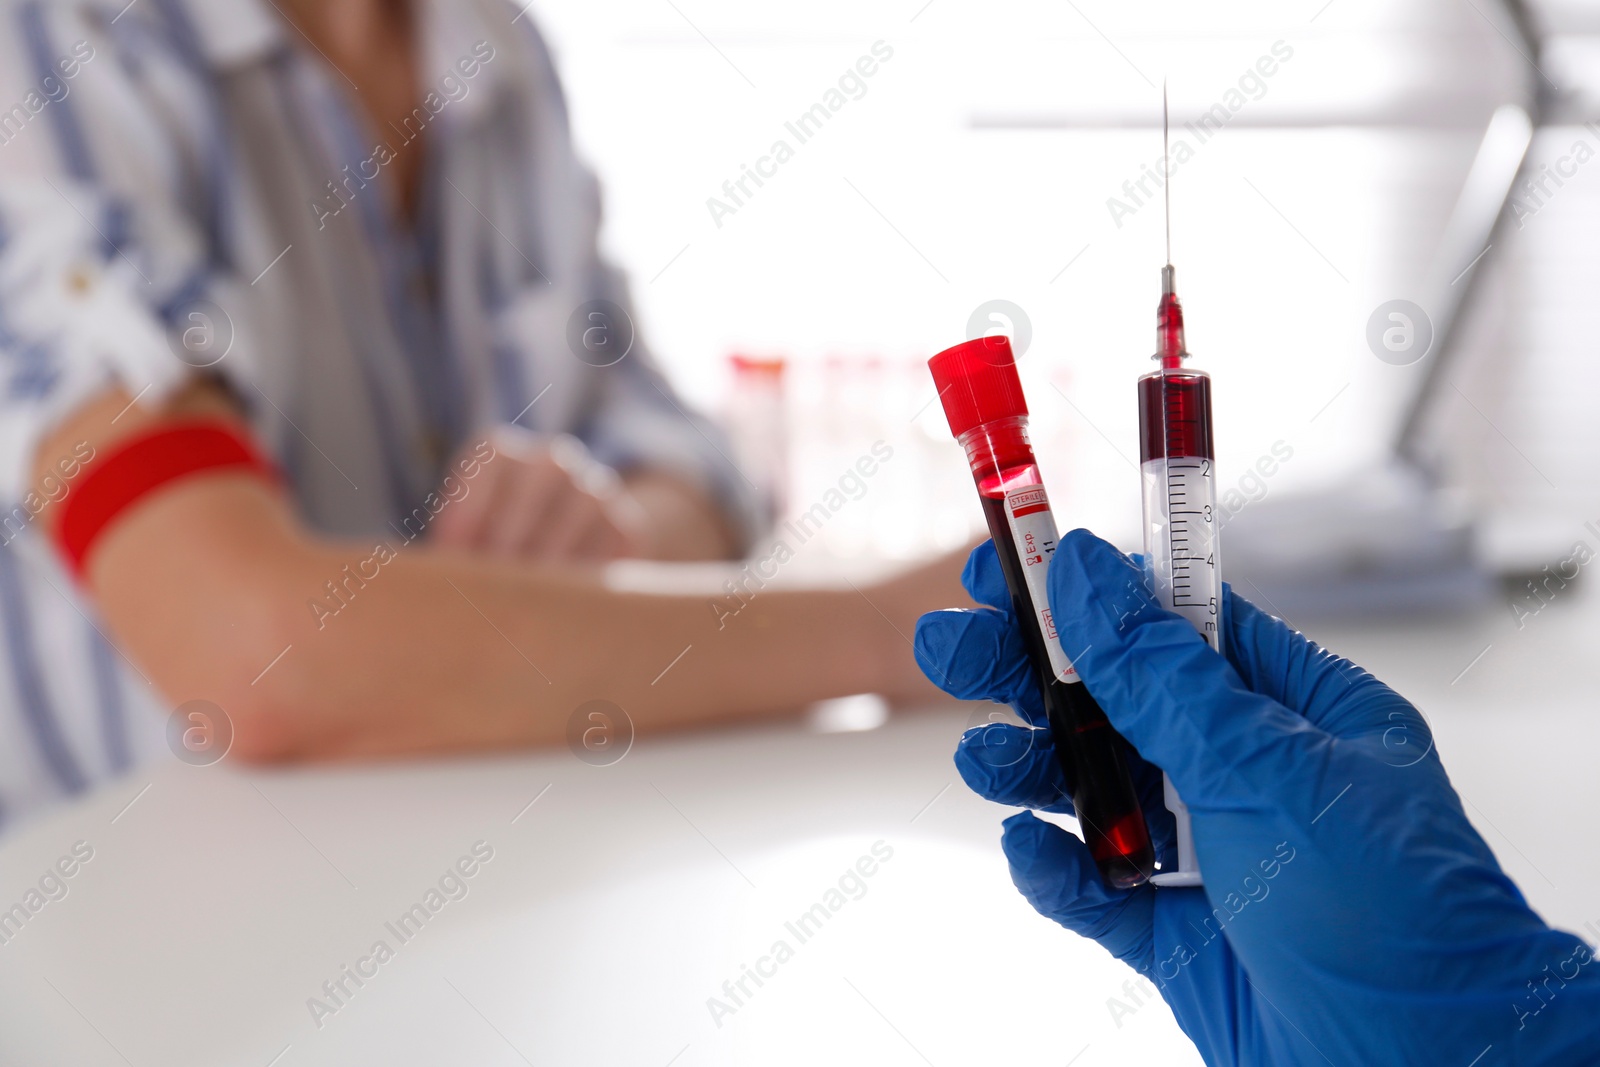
982,397
1178,464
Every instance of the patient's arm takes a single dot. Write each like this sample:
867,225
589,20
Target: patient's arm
205,582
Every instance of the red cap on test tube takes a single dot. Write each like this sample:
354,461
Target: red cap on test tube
977,383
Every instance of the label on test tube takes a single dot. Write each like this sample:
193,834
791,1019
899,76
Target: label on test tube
1033,531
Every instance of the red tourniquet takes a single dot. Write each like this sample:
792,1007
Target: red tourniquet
142,464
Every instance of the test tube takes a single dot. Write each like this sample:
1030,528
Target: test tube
982,397
1177,462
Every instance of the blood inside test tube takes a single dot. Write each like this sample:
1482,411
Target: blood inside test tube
983,400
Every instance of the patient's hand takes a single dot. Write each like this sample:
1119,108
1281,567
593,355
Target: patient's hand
903,599
543,499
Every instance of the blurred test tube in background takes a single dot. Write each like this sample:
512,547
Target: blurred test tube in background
757,419
802,429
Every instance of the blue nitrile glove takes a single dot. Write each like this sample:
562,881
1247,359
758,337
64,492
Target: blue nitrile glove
1350,915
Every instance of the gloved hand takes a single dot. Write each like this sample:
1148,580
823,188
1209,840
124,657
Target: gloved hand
1350,914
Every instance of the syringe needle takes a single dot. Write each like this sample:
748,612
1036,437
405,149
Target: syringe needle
1166,170
1169,314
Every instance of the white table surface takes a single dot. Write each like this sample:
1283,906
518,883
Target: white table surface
613,908
220,900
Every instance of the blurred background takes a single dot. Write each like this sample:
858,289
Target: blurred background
978,167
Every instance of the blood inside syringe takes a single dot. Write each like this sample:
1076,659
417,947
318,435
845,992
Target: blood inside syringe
1174,412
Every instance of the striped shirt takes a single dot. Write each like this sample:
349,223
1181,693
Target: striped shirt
187,187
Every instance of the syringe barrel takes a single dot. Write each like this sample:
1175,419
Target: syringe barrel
1178,468
1178,465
